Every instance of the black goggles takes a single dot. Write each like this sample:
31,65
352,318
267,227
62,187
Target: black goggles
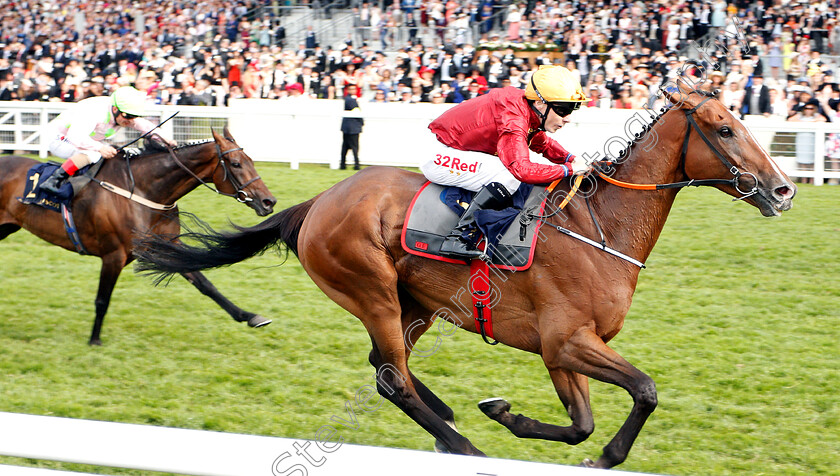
563,109
128,116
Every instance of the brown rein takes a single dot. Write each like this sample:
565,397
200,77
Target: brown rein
129,194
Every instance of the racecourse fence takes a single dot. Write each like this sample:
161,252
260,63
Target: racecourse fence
307,131
207,453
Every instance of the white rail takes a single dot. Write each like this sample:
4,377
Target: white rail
7,470
307,131
193,452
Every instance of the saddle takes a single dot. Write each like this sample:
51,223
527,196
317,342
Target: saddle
510,234
33,195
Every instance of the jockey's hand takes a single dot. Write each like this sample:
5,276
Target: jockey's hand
107,151
579,166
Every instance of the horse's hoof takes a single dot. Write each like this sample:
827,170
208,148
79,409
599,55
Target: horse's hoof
440,448
258,321
95,342
493,407
587,463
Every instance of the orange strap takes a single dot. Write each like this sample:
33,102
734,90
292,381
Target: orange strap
634,186
572,191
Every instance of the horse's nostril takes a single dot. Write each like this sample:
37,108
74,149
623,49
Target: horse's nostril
784,191
269,202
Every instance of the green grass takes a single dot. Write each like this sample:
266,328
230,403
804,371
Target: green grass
735,319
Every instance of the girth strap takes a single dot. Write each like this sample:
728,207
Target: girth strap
72,232
479,287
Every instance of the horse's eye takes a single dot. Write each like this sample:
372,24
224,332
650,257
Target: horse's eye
725,131
236,165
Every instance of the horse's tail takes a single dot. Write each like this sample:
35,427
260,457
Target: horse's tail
161,256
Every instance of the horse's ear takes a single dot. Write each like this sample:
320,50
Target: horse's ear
678,91
216,136
226,132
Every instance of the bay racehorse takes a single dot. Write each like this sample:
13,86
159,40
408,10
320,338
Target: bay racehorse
565,308
107,222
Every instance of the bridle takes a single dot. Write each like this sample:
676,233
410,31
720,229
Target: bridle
240,195
691,124
597,167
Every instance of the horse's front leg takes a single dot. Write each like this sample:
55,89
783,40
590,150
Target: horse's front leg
206,287
573,390
586,353
112,265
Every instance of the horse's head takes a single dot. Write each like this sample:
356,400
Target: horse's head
238,177
721,147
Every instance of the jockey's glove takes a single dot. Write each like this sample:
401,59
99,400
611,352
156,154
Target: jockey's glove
579,165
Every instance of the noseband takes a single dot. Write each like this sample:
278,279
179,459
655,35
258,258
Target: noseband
240,195
737,174
691,124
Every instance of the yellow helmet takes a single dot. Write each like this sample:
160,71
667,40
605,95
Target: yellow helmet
554,84
129,100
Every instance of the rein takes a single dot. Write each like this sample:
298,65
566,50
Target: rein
127,158
241,195
129,194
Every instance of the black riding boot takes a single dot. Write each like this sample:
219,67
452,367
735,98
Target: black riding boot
492,196
55,181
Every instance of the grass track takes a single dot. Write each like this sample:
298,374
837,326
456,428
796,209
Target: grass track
735,318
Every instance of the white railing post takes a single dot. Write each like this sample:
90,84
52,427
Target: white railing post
168,129
43,142
294,162
819,155
18,133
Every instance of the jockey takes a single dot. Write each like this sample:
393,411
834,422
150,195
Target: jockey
483,145
77,132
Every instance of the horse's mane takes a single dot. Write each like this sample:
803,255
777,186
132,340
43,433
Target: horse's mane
155,147
624,154
193,143
605,164
654,118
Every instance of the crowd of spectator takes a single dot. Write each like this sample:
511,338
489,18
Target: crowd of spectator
207,53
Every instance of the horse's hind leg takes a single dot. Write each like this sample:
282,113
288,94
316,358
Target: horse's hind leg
370,293
431,400
392,384
206,287
415,322
573,390
440,408
7,229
